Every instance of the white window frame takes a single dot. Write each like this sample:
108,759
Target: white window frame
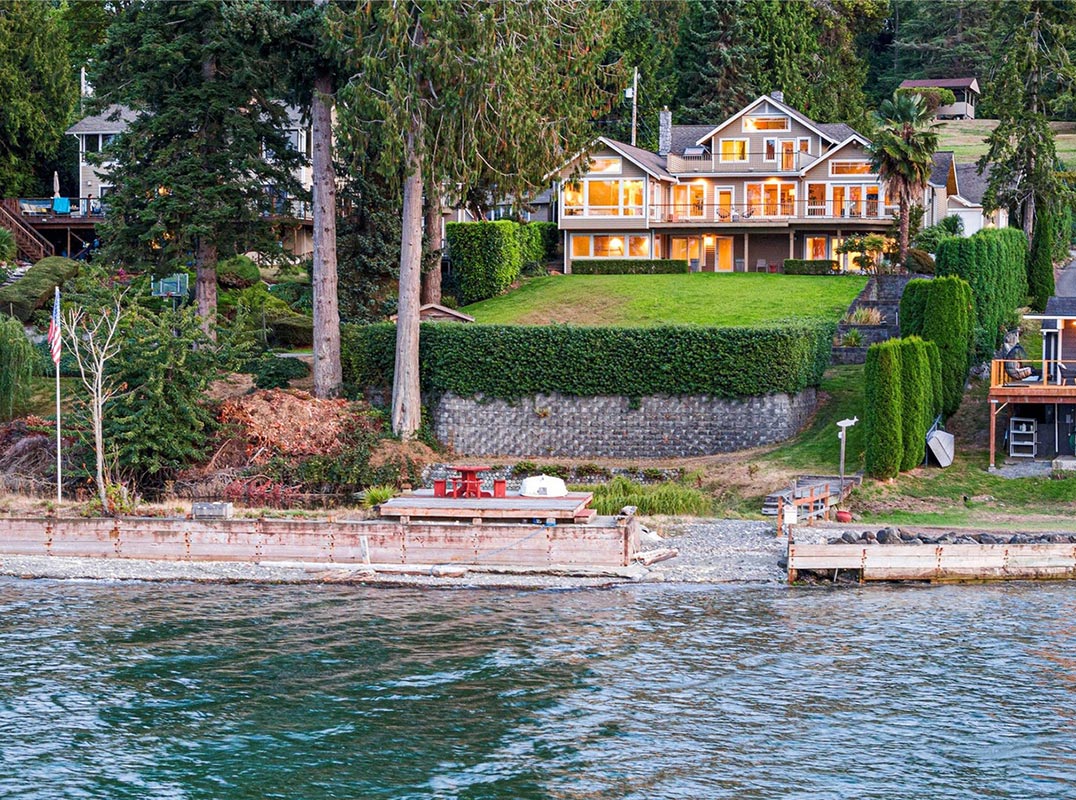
766,146
745,129
619,165
799,144
746,151
625,235
849,175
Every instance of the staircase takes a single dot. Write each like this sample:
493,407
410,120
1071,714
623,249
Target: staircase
882,292
32,246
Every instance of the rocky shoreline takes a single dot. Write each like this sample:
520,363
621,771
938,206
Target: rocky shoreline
897,536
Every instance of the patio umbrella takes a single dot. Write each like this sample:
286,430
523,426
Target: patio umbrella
55,184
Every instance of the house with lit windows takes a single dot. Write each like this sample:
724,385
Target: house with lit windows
743,195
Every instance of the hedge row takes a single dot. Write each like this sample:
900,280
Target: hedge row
994,263
1040,265
488,257
630,266
942,311
800,266
35,288
900,379
510,361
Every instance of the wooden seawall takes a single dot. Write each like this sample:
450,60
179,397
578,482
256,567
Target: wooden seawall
605,542
935,563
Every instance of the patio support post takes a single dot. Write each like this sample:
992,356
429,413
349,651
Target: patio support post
746,255
993,429
791,244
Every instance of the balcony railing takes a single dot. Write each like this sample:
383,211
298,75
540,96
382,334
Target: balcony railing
1030,376
783,162
745,213
45,209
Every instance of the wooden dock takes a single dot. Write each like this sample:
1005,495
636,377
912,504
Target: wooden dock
952,563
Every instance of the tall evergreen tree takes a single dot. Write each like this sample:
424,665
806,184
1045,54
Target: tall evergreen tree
201,168
716,62
463,91
1033,75
38,89
902,153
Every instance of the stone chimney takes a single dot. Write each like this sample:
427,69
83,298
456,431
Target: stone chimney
778,95
664,132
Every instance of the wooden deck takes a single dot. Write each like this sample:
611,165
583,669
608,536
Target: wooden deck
935,563
423,504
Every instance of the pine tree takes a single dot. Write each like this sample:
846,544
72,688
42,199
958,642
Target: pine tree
883,420
715,60
197,173
1040,263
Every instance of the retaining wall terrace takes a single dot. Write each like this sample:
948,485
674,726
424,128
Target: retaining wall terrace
617,427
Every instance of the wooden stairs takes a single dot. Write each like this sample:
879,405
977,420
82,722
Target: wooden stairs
32,246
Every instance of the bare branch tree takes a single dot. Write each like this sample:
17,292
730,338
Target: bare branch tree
93,343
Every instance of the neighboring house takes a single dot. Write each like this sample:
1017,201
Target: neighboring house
968,203
542,208
766,184
965,90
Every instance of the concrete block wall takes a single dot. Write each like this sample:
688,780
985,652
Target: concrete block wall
617,427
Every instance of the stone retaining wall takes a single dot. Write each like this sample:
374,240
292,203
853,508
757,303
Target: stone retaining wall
615,427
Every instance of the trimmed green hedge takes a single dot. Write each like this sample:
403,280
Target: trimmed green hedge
994,263
550,238
531,248
800,266
937,390
917,397
630,266
1040,265
913,305
513,361
883,421
485,255
35,288
948,321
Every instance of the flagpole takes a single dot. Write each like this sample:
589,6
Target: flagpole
56,361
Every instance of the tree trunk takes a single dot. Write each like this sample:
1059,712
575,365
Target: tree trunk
99,436
431,280
205,286
406,399
327,371
905,226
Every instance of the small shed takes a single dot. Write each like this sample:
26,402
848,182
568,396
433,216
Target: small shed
966,91
435,312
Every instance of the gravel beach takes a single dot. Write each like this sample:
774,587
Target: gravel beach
710,551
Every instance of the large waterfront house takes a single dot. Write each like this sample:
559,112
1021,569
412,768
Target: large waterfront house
765,185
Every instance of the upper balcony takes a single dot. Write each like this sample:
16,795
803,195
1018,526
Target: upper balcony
1033,380
50,211
708,215
781,163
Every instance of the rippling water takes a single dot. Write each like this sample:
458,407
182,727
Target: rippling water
187,691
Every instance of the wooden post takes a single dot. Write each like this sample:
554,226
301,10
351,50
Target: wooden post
993,429
746,256
780,515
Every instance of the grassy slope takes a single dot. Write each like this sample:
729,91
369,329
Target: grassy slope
967,139
646,300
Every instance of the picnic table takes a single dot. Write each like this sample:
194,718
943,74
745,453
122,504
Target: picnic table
466,483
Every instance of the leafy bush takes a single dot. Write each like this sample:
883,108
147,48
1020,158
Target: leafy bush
485,256
35,288
288,329
45,367
800,266
669,498
948,322
237,272
298,296
929,237
1040,265
919,262
864,315
994,263
882,418
17,360
937,391
531,249
550,238
934,97
913,304
8,248
513,361
917,398
376,495
852,339
630,266
273,372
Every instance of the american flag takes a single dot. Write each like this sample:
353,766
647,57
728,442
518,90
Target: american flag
54,328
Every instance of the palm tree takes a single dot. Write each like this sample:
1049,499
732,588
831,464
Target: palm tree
902,153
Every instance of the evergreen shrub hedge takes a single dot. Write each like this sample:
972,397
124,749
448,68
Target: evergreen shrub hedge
512,361
17,362
948,322
801,266
550,238
882,418
937,392
1040,265
917,398
913,304
35,288
994,263
531,248
486,256
630,266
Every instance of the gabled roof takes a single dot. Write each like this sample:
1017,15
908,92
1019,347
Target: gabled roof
1060,307
838,131
103,122
942,83
649,162
806,121
972,185
835,150
684,136
943,164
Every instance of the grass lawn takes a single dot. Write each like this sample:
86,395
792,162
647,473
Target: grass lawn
738,299
967,138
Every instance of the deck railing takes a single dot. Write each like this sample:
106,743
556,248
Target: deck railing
51,208
765,211
1034,374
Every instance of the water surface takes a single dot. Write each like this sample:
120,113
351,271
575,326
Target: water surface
186,691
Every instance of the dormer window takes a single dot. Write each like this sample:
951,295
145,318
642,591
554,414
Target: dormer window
766,122
695,151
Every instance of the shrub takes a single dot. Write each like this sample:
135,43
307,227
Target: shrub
917,398
668,498
513,361
913,303
1040,264
35,288
882,419
852,339
273,372
550,238
947,322
288,329
17,361
237,272
524,469
630,266
929,238
863,315
937,392
800,266
531,249
485,256
376,495
994,263
298,296
8,248
919,262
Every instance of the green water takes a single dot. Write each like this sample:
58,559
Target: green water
187,691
